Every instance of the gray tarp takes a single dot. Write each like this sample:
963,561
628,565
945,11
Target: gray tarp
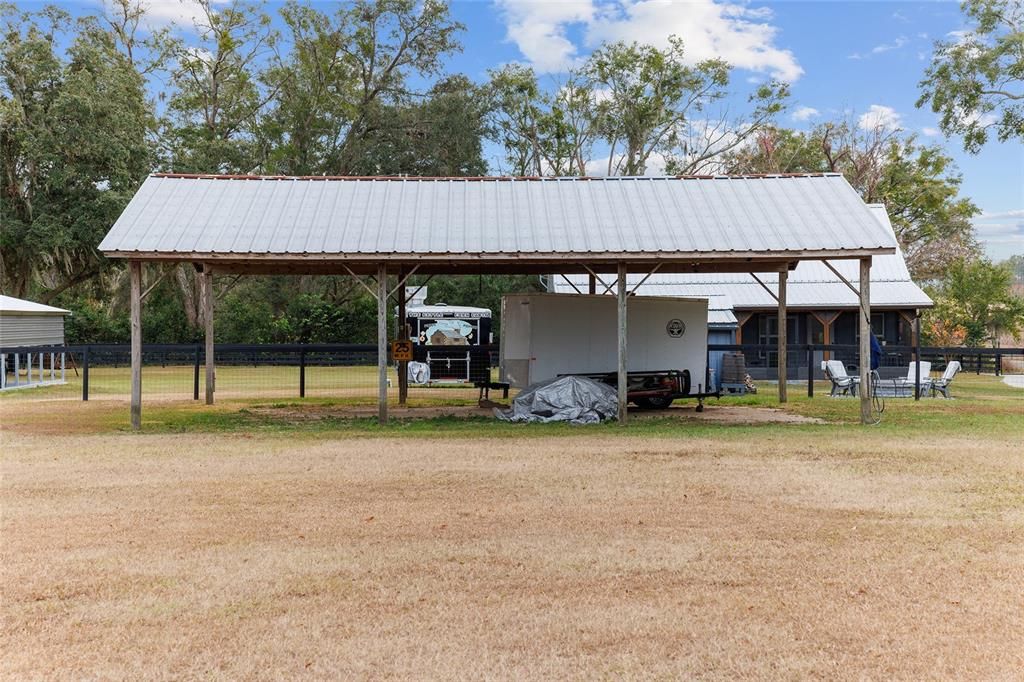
577,400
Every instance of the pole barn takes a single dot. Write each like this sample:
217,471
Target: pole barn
378,227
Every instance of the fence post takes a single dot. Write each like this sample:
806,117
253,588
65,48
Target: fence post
977,367
302,373
810,371
85,373
195,373
999,364
917,357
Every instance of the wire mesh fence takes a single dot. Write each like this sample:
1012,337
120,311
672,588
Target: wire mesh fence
337,371
348,372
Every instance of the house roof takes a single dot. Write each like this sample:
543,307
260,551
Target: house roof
514,221
19,306
811,285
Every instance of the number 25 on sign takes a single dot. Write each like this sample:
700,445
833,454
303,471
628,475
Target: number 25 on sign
401,351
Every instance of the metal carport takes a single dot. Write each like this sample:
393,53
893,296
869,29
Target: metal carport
381,226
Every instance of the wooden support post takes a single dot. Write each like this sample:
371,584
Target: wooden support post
917,356
622,380
195,371
382,343
402,332
810,371
783,340
591,284
207,292
3,370
864,362
135,275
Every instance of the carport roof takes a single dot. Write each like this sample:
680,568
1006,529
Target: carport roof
496,224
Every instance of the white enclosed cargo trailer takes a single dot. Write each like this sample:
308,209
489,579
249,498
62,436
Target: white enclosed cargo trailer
544,336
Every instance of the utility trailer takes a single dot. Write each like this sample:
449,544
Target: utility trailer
451,340
544,336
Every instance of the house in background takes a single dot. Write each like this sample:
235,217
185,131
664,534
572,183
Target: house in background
821,307
26,325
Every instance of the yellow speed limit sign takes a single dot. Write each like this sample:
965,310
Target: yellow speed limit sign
401,351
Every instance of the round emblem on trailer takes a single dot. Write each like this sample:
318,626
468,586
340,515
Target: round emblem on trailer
675,328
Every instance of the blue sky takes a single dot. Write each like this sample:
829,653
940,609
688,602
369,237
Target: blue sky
844,59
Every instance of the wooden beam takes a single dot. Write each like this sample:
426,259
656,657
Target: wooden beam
865,341
382,343
783,337
622,381
591,284
207,294
826,318
765,286
135,275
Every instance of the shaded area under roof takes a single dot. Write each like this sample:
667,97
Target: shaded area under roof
491,224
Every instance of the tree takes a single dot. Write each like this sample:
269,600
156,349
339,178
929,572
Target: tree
342,75
640,101
918,184
976,83
655,101
73,147
441,136
977,297
213,110
543,133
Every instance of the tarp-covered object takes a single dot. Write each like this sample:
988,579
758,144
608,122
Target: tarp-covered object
577,400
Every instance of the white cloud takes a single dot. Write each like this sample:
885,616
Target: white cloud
930,132
982,120
1001,232
544,30
805,113
1015,213
879,49
881,117
540,30
161,13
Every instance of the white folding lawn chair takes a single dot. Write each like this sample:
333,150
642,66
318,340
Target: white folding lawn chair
842,383
941,385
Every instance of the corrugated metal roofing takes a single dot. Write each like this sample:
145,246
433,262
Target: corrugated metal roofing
19,306
720,311
518,218
810,285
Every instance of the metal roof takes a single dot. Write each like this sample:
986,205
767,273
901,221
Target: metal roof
811,285
508,219
427,310
19,306
720,311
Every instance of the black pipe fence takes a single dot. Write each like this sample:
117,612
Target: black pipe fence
326,369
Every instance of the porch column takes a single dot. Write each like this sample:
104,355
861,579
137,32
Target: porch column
865,340
783,370
622,380
382,343
207,292
135,276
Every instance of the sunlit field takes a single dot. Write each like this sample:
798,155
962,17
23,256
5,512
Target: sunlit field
274,537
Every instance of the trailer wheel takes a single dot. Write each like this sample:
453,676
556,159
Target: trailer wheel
653,403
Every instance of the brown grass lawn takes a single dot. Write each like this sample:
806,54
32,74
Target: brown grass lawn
663,551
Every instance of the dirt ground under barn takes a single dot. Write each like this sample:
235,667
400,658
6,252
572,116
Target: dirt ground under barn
454,548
